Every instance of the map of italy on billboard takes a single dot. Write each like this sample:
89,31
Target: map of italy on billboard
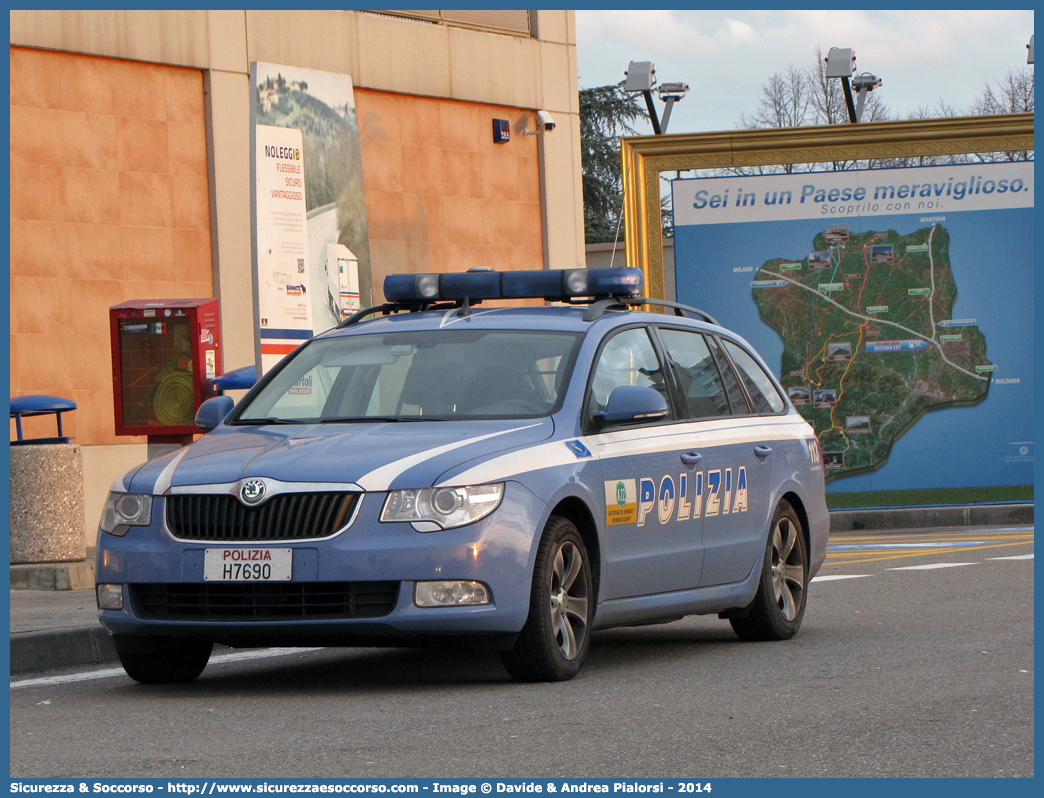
852,279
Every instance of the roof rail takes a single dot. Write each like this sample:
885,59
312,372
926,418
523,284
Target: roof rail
599,307
395,307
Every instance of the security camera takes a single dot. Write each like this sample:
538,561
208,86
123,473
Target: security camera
545,121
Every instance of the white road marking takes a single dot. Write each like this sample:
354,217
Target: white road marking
939,544
106,673
931,566
1016,557
835,577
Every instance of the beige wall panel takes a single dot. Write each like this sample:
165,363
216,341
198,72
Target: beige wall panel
169,37
563,195
483,67
324,40
387,50
573,76
229,133
228,40
558,80
101,466
557,26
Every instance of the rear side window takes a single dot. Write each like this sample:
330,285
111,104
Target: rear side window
763,394
728,376
696,373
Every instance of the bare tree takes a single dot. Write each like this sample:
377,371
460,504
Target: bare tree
784,102
1011,95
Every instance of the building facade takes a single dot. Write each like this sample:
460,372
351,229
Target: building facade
130,170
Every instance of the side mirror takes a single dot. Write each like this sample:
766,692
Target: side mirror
632,404
213,411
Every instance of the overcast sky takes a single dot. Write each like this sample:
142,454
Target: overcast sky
726,56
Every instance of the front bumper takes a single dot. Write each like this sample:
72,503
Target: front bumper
498,551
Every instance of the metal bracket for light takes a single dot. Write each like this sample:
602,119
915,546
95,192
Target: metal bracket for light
641,78
864,84
841,63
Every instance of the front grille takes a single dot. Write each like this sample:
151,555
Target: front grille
263,601
287,516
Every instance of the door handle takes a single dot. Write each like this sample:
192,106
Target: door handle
692,458
762,451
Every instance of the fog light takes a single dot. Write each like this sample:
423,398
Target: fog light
449,594
110,597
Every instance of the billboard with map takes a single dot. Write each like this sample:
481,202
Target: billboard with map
895,305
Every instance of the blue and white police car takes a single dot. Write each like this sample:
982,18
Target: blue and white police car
512,478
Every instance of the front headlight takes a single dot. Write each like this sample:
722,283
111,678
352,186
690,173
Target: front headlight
124,510
447,507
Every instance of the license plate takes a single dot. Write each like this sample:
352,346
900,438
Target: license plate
242,564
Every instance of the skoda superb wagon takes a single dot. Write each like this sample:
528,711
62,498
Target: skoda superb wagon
510,478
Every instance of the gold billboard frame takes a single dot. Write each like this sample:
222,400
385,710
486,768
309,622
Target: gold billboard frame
644,157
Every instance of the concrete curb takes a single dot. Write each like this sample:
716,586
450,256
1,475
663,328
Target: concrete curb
61,648
914,517
53,576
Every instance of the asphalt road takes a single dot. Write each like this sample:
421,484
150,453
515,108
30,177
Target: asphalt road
899,673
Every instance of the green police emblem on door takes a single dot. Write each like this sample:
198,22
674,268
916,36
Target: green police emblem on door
621,501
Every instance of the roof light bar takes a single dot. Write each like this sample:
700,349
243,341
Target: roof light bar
554,284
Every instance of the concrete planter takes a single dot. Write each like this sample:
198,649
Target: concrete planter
47,519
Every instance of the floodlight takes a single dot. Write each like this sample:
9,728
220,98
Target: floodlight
864,84
665,89
641,76
1029,56
840,62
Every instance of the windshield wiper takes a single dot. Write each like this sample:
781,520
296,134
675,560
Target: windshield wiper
271,420
368,419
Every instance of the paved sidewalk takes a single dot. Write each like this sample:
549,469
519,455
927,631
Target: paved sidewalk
60,628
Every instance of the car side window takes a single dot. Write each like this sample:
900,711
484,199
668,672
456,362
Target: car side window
696,373
628,358
763,394
732,386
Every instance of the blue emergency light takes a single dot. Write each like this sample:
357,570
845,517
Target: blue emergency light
475,286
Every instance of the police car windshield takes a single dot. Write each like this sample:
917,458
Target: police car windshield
415,376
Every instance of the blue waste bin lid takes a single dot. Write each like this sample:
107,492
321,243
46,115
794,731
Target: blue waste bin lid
39,403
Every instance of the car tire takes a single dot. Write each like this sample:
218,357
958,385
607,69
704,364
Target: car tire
779,605
175,664
553,644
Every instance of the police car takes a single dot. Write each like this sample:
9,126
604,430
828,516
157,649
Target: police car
512,478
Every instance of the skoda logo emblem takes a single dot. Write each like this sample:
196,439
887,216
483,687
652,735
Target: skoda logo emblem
252,491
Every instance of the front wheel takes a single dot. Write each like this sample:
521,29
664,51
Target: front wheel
779,606
553,644
176,663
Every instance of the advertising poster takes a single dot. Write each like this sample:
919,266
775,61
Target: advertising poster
311,246
895,305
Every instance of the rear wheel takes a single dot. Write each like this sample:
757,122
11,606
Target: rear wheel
779,606
175,663
553,644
